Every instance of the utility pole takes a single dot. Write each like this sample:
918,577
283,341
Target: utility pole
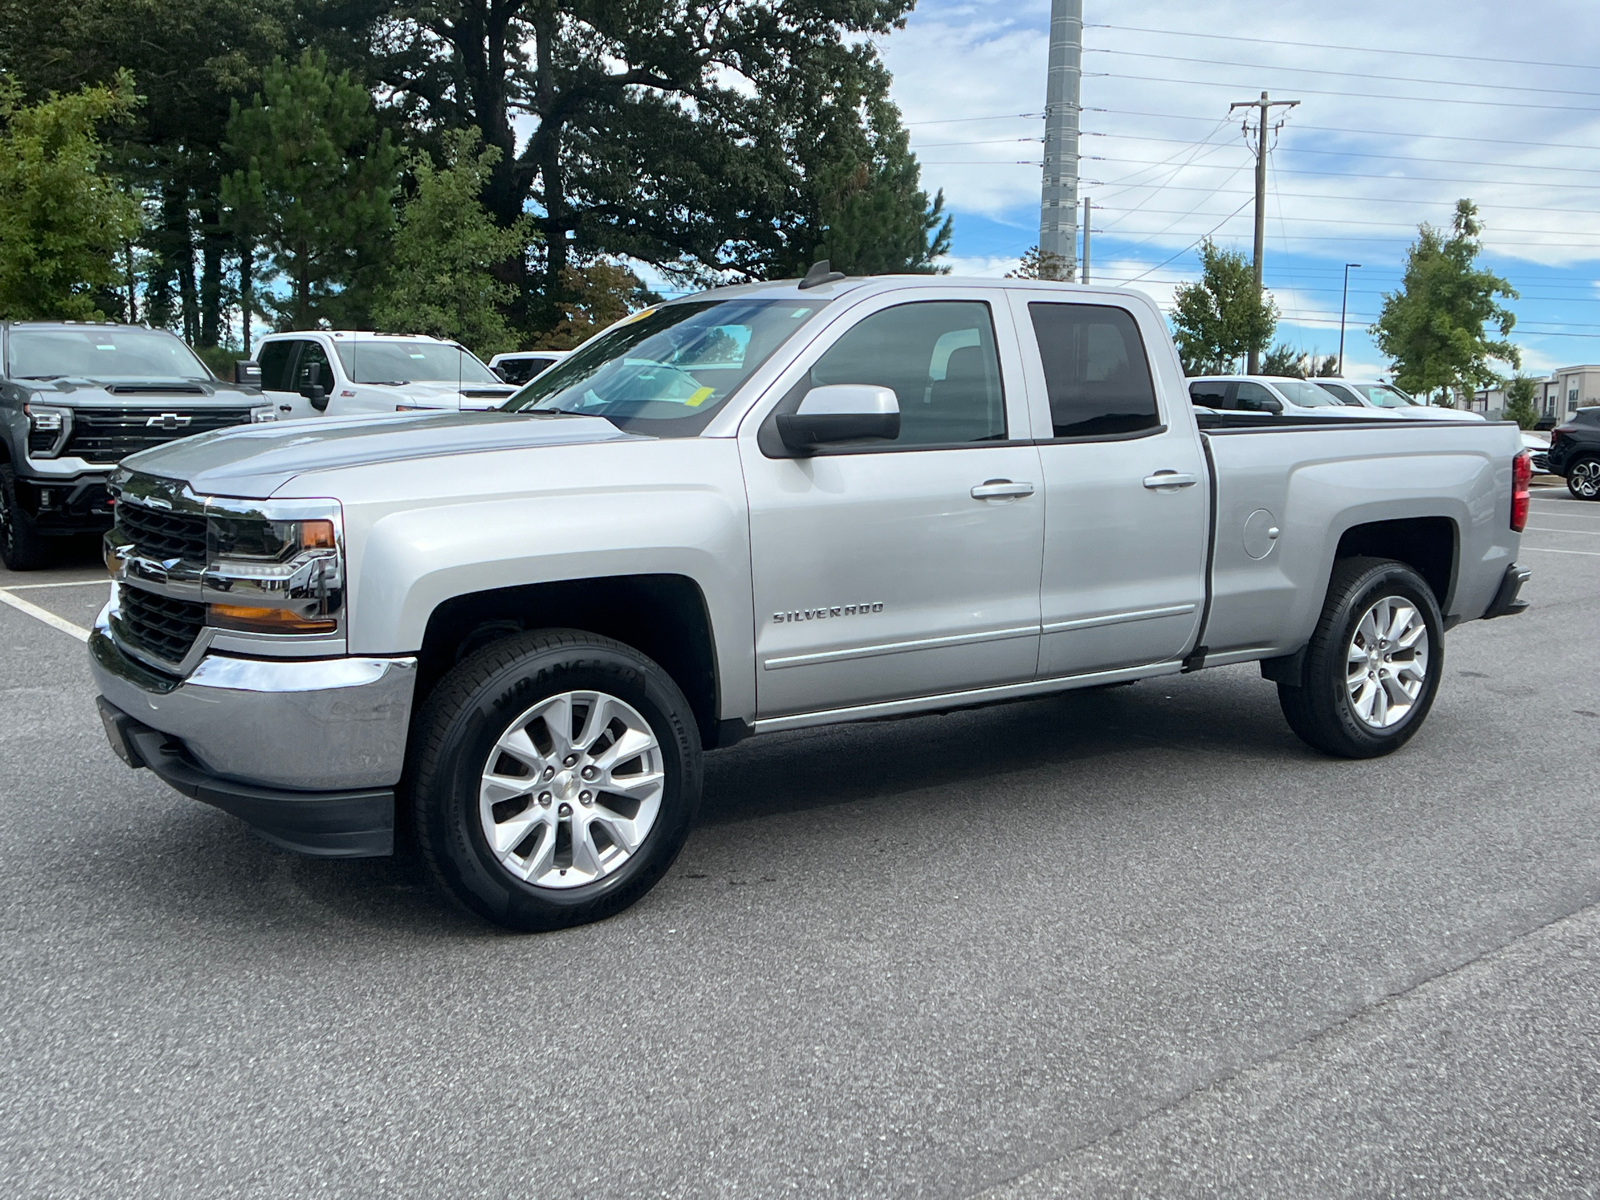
1083,273
1058,234
1344,304
1265,105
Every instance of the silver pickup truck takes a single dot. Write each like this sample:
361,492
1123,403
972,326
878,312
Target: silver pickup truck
756,509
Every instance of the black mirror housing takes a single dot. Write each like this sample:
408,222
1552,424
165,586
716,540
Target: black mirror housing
840,413
247,372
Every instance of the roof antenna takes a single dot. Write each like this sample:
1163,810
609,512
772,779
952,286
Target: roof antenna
820,273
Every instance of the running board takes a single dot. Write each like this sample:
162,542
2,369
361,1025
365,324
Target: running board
974,698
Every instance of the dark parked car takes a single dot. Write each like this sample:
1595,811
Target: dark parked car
1575,453
76,398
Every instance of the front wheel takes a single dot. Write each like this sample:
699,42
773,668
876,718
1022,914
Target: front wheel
1373,665
1583,479
554,779
21,546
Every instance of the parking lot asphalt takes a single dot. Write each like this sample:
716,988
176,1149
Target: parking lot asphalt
1130,942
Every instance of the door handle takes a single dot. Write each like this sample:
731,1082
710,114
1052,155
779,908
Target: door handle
1170,479
1000,489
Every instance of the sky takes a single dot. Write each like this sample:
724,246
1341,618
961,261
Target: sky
1404,108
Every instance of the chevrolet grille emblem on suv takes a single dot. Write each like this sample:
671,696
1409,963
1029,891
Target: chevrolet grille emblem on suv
168,421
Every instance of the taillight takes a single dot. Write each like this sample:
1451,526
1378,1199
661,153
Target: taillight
1521,477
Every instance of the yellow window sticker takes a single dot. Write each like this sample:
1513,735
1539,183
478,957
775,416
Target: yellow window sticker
700,397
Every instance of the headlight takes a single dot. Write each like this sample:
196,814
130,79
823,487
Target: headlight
263,412
276,566
48,429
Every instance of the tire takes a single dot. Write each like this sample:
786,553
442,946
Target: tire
21,546
1338,711
1583,478
490,760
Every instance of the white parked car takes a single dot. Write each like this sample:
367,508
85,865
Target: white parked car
346,373
1273,394
523,365
1377,394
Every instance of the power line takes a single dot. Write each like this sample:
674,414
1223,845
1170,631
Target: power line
1412,158
1443,137
1223,37
1222,62
1233,87
1585,187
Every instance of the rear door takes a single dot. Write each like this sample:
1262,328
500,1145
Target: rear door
890,570
1126,486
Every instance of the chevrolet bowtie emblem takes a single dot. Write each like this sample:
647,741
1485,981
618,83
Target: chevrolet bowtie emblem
168,421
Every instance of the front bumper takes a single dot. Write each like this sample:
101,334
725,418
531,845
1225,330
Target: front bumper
285,732
352,824
65,505
1506,602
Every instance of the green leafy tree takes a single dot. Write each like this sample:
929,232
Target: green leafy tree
1520,405
1042,264
1221,318
445,249
707,138
316,185
1283,359
63,221
189,59
1433,328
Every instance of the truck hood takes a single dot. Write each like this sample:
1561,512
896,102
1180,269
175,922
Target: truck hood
448,395
79,392
254,461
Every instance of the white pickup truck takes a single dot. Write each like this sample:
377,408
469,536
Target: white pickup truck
756,509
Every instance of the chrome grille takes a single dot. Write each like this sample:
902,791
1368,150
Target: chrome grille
111,434
159,625
161,534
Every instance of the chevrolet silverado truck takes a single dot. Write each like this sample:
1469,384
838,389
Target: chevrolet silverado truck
756,509
75,398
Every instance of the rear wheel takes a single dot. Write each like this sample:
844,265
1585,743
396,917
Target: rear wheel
554,780
1373,665
1583,478
21,546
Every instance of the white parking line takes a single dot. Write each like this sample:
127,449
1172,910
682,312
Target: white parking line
41,614
23,587
1548,550
1546,529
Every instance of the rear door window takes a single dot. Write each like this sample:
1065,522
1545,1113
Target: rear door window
1095,370
1212,393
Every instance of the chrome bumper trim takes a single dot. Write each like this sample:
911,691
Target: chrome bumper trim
300,724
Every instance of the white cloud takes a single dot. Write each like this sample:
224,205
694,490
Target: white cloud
1352,167
980,266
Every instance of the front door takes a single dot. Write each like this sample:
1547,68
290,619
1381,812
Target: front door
890,570
1126,485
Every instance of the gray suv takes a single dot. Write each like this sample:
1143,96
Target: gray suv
78,397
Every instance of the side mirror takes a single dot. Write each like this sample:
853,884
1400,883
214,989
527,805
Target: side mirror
840,412
313,390
247,373
1272,405
500,373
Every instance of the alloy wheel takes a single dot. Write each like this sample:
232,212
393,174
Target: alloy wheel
1387,662
571,789
1585,479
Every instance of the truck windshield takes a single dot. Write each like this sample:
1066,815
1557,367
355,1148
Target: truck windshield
392,360
1306,395
107,353
1385,396
665,371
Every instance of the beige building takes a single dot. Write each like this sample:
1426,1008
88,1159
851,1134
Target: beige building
1558,397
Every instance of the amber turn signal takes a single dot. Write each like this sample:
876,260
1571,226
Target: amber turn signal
268,620
316,535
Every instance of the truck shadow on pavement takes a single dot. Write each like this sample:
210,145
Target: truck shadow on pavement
815,768
193,865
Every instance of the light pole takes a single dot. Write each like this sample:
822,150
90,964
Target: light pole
1344,303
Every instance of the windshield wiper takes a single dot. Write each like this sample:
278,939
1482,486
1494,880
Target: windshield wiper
41,378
